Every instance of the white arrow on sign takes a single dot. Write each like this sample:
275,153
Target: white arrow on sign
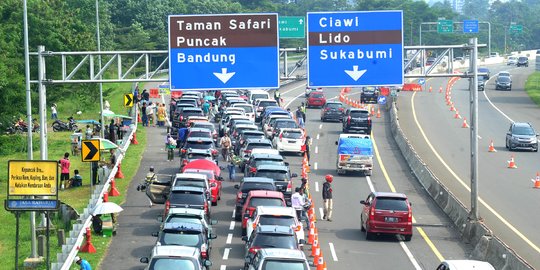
301,21
355,73
224,76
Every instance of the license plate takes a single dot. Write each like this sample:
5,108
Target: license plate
292,141
390,219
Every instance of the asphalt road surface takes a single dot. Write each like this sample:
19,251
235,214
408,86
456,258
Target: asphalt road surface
342,243
508,203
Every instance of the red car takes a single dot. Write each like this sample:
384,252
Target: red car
315,99
388,213
212,171
260,198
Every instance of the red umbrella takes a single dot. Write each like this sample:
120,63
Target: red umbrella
203,164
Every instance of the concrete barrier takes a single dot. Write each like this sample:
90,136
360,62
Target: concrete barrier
487,247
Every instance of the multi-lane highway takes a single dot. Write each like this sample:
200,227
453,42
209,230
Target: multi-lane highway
508,203
342,243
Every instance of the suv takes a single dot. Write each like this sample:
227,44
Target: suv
521,136
289,140
175,257
260,198
369,94
522,61
357,120
250,144
281,176
386,212
187,197
315,99
278,258
183,116
269,236
332,110
186,234
248,184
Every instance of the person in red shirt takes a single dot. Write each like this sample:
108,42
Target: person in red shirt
64,172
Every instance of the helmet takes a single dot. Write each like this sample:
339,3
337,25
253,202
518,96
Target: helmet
329,178
151,168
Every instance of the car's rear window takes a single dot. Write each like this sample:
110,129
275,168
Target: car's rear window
285,124
258,145
359,114
193,156
253,135
247,109
317,95
181,239
190,182
276,220
192,113
264,240
267,103
396,204
249,186
186,198
202,125
173,263
199,145
276,264
268,162
276,175
259,96
334,105
200,134
292,134
261,201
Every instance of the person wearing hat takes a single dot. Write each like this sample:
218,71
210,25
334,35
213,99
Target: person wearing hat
83,263
327,197
150,177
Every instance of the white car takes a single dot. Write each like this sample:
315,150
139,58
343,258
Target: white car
275,215
249,110
257,94
165,256
267,125
227,124
504,74
192,180
464,264
263,103
512,60
289,140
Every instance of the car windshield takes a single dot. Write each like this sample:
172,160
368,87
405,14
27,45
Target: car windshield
276,175
259,96
334,105
263,201
276,220
523,131
296,134
363,114
199,144
272,240
387,203
190,239
317,95
173,263
523,59
503,79
285,124
268,162
284,265
190,182
249,186
186,198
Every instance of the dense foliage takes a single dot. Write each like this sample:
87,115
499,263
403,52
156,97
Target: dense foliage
69,25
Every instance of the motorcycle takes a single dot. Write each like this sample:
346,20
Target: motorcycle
21,127
62,126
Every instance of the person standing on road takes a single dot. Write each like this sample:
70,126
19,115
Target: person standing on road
305,208
303,110
64,169
297,202
83,263
161,115
206,107
112,131
307,146
327,197
171,145
277,97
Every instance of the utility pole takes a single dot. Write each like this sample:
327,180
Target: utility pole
473,215
102,129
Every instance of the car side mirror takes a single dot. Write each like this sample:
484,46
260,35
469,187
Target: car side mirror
244,238
144,260
237,186
207,263
294,175
363,202
302,241
212,236
286,163
155,234
410,203
537,134
160,218
508,133
247,215
213,222
336,142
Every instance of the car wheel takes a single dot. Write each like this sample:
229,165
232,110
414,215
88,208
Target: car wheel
506,144
535,149
407,237
244,231
362,228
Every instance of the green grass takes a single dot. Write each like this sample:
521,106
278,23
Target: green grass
532,87
58,144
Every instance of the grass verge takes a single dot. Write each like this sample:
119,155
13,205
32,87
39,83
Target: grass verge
532,87
58,144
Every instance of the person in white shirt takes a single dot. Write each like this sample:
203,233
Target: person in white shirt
298,202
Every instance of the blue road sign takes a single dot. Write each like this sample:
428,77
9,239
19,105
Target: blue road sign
31,204
421,81
381,100
224,51
470,26
355,48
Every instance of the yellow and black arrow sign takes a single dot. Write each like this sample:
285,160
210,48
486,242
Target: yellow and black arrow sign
90,150
128,100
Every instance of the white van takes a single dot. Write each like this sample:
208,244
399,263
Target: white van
191,179
249,110
257,94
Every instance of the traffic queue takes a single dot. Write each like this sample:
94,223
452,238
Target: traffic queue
245,132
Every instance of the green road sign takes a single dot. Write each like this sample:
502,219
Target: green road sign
445,26
516,28
292,27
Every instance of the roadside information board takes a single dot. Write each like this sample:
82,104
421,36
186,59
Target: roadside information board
32,178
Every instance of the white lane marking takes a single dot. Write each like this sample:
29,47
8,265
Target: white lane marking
409,254
229,238
316,149
316,186
315,166
320,126
333,251
226,254
233,213
300,86
321,212
318,136
370,184
231,227
223,267
496,108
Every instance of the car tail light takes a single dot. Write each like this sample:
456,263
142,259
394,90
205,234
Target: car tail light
326,109
253,170
181,117
298,228
167,207
239,195
214,152
214,135
341,109
184,151
372,214
206,207
253,250
349,120
184,162
409,216
204,251
369,120
254,225
281,137
247,151
289,186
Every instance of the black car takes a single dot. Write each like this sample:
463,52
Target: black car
182,119
369,94
281,175
187,197
332,110
248,184
357,120
503,82
270,236
186,234
521,136
485,70
522,61
481,83
258,159
244,135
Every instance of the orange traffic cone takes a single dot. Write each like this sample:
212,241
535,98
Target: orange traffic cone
512,163
536,181
324,266
452,107
457,116
88,246
320,265
464,125
440,89
491,147
134,139
119,174
372,110
378,112
310,235
139,120
114,191
315,249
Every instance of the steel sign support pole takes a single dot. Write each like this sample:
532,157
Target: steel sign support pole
473,216
17,216
102,129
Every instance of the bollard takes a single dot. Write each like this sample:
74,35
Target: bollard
88,246
105,197
114,191
134,139
119,174
61,235
41,248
